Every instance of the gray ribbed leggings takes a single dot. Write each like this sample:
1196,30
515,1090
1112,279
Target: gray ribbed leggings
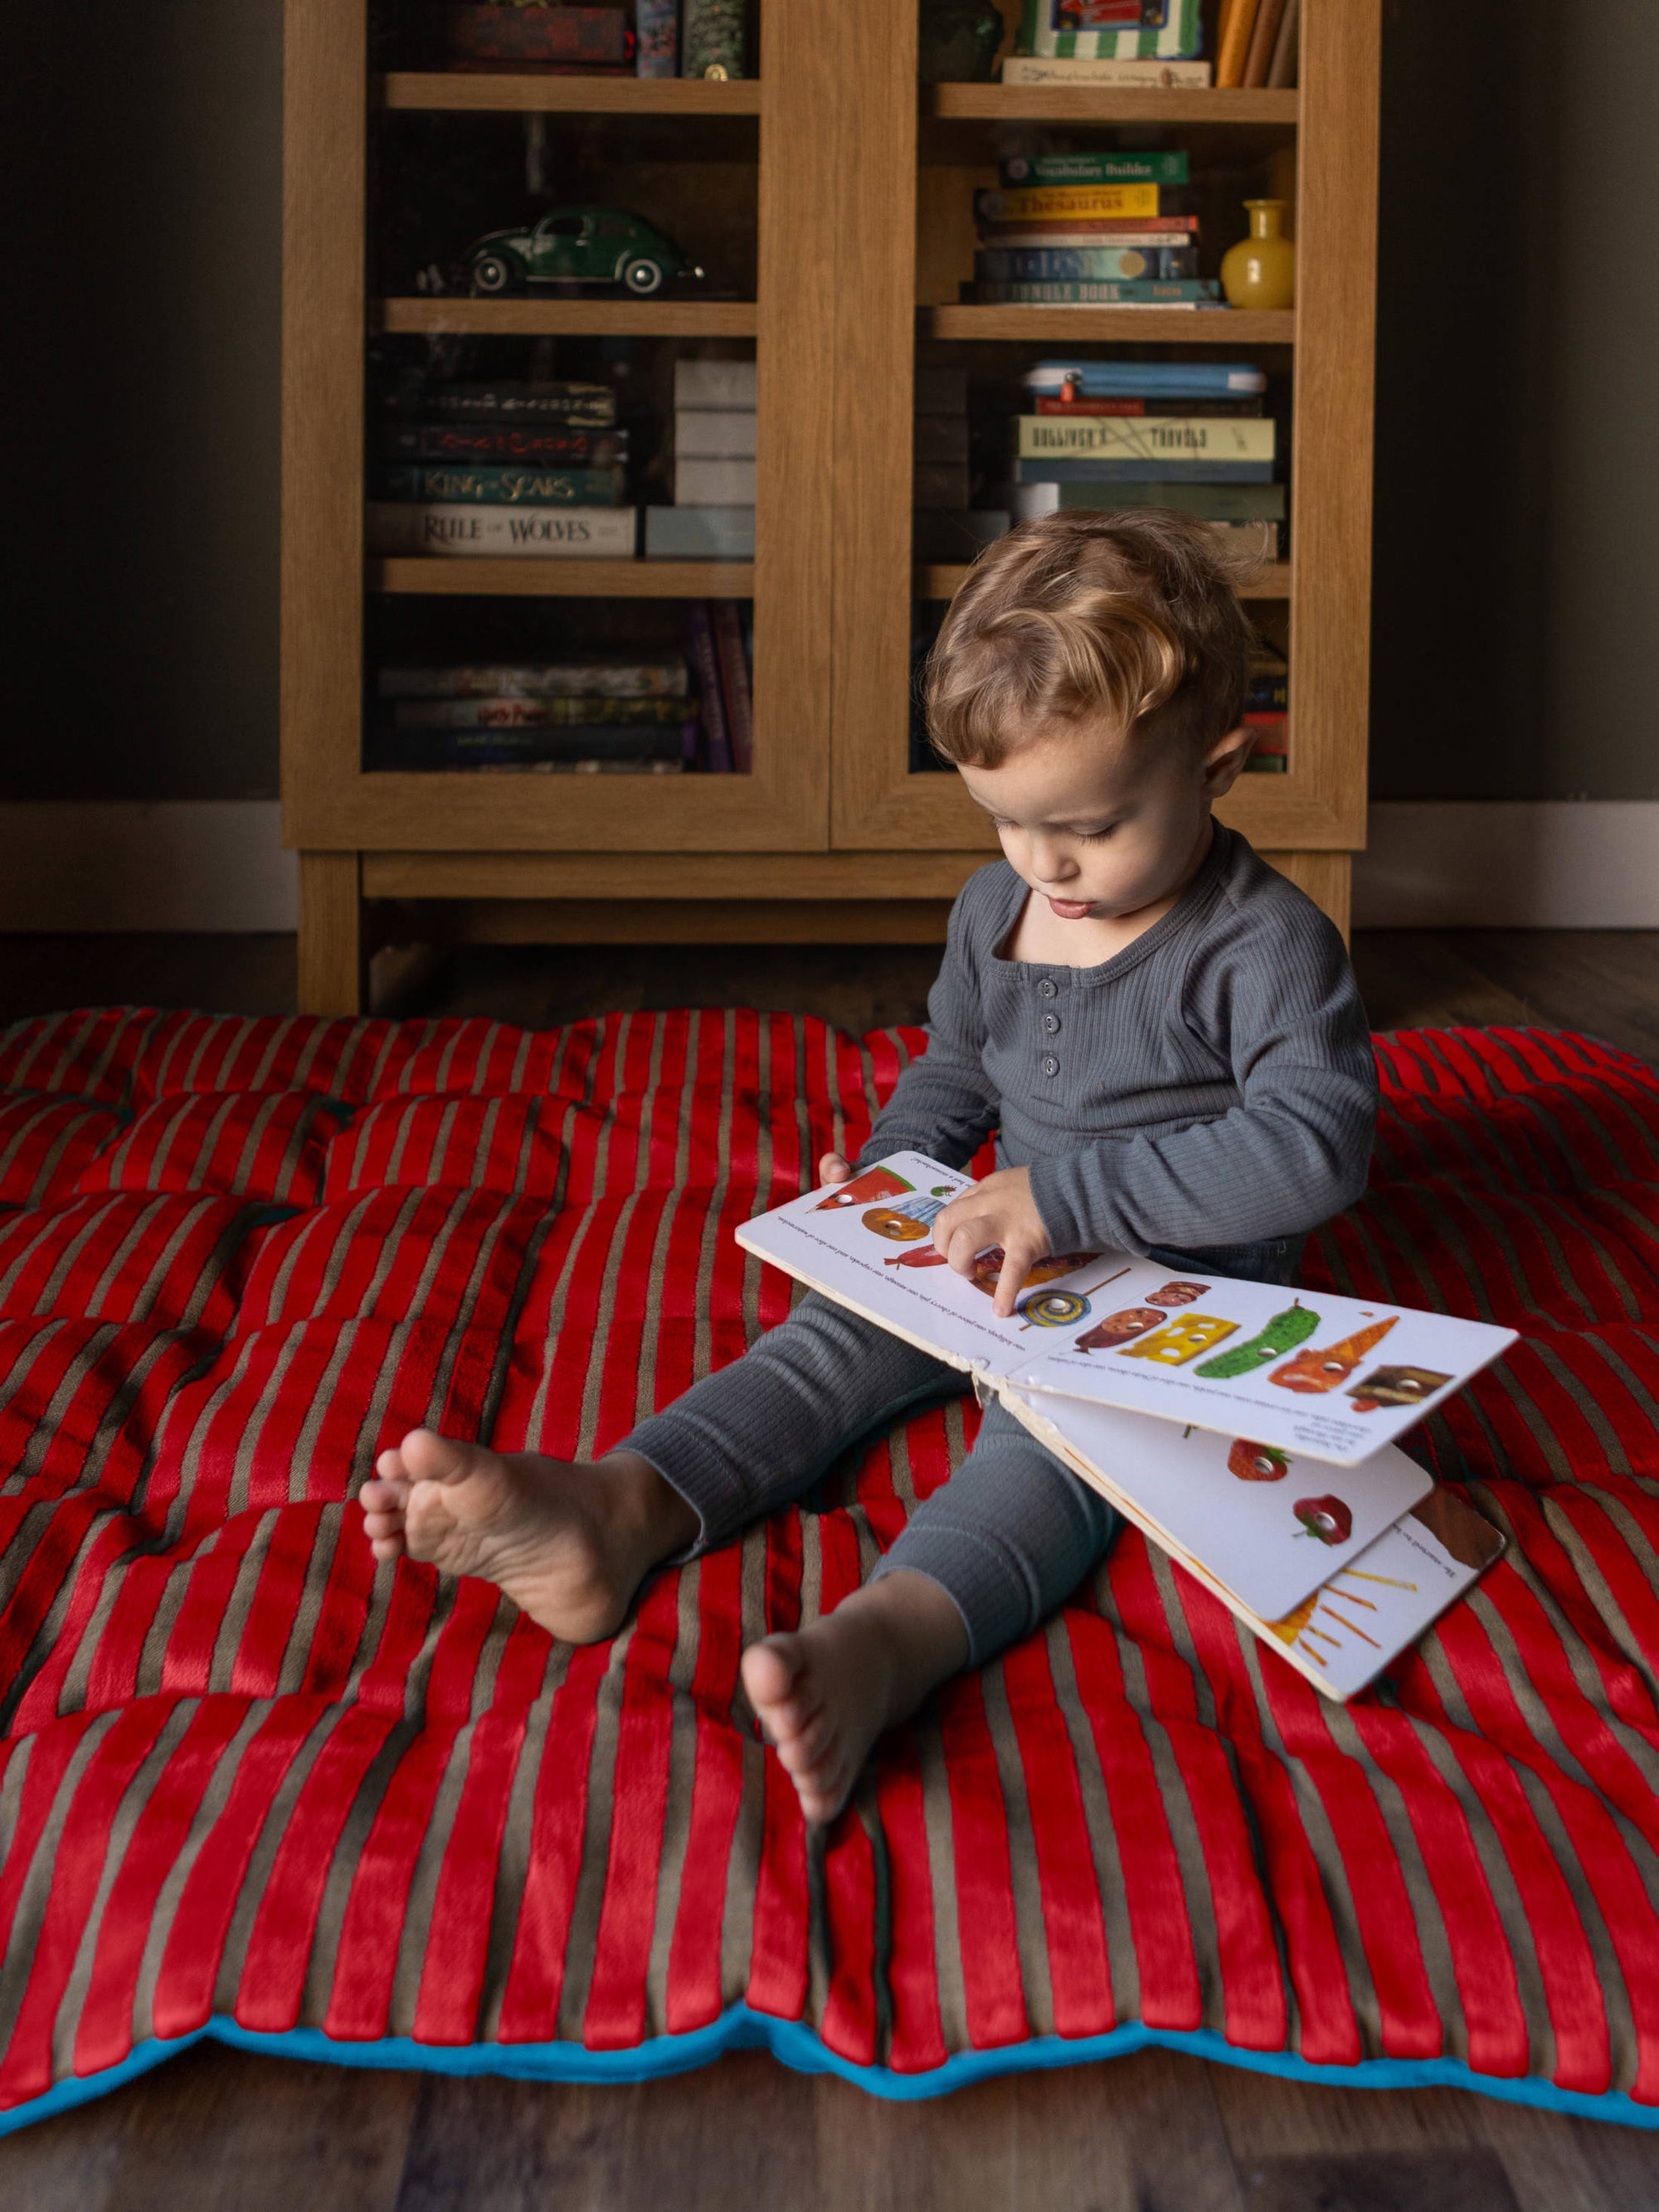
1008,1537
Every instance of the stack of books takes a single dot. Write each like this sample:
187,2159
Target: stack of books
1087,230
1257,43
1267,710
1154,43
1190,434
587,715
713,517
946,527
719,640
536,469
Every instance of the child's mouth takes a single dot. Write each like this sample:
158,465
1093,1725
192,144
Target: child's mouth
1072,909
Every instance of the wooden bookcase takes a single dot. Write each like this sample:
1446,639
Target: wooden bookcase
861,192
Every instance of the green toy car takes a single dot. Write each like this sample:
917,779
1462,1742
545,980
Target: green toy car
578,246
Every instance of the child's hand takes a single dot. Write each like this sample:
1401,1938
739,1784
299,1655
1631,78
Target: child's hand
999,1211
833,1168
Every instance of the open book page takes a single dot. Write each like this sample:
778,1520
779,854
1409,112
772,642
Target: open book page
1268,1523
1311,1373
1356,1616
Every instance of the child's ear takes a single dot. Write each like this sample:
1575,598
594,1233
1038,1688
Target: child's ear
1224,761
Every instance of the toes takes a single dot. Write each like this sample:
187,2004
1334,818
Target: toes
771,1671
383,1495
427,1457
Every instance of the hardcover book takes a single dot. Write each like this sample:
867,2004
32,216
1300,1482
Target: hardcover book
1150,76
455,530
1129,438
501,486
1211,502
526,444
1093,169
1111,30
591,406
1248,1429
1186,379
1025,203
609,677
1201,291
1043,265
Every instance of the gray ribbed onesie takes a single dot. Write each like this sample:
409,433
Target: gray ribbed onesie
1206,1098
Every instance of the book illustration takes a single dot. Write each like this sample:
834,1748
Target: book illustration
875,1253
1257,1463
1178,1341
987,1269
1395,1386
1117,1329
1327,1519
1321,1369
874,1182
1283,1334
909,1223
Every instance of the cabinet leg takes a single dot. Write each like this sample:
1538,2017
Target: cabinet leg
332,965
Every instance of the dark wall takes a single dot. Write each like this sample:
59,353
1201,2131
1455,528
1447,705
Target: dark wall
143,233
1517,508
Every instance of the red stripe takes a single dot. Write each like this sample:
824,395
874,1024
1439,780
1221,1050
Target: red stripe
986,1922
696,1996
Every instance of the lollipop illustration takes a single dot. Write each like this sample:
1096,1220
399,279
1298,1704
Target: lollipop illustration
1060,1308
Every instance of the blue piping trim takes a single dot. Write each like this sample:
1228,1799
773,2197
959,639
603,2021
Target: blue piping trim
795,2046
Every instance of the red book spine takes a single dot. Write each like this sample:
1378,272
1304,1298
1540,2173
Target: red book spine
734,685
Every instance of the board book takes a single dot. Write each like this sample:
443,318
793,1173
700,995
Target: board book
1247,1428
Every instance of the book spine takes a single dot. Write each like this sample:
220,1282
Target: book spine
1169,437
1079,292
511,713
1109,380
502,487
490,33
477,748
1117,263
705,662
1263,39
1233,44
715,433
1094,169
1225,502
1093,230
497,444
711,39
1150,75
657,35
592,407
734,685
1026,202
1141,404
728,384
1143,468
458,532
1283,71
714,483
642,679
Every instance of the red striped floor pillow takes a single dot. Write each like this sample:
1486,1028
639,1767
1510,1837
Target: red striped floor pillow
253,1786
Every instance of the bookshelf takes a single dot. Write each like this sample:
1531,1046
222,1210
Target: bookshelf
840,193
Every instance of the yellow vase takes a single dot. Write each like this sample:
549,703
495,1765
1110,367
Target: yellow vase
1260,272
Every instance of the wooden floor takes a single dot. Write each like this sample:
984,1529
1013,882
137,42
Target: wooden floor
1153,2133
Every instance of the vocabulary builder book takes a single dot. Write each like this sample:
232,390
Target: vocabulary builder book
1247,1428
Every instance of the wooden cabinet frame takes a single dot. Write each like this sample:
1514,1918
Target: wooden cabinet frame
831,832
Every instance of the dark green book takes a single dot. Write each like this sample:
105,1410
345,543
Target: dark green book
1094,169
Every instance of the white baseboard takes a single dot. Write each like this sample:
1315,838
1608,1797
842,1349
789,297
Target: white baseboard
101,864
219,865
1509,864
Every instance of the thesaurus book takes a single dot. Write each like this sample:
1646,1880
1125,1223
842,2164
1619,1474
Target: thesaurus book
1246,1428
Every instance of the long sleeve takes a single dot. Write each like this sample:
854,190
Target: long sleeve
1275,1000
943,1103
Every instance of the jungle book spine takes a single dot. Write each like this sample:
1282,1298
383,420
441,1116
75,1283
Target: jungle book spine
456,531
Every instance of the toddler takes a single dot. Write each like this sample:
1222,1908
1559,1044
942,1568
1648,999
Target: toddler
1165,1036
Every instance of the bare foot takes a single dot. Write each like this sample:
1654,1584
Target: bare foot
568,1540
824,1694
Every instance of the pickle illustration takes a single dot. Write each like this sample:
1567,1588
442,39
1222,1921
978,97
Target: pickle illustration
1283,1334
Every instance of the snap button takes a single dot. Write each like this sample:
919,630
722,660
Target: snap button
1051,1023
1049,987
1051,1066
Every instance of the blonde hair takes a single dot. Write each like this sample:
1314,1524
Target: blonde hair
1131,619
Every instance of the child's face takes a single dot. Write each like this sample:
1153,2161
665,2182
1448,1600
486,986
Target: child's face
1100,826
